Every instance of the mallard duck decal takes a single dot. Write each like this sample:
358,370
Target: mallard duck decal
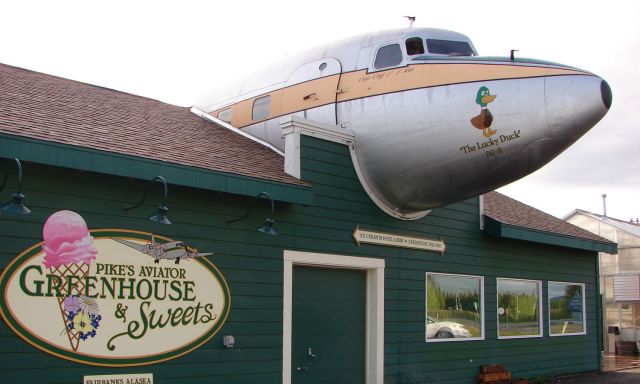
485,118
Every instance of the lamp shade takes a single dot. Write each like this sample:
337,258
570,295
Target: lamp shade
16,205
268,227
161,216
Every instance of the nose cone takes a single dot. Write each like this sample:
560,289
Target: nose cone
574,104
414,162
607,96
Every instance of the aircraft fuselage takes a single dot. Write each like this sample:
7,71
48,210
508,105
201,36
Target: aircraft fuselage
434,123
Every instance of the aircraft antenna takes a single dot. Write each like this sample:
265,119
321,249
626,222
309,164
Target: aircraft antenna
411,20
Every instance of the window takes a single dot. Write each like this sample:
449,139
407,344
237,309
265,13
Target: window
225,115
261,107
388,56
449,47
519,308
415,46
454,308
566,309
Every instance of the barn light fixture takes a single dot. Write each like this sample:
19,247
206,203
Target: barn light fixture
268,226
161,215
15,205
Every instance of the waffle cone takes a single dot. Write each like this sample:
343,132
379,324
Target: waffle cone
79,270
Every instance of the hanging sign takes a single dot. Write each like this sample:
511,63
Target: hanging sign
112,297
393,240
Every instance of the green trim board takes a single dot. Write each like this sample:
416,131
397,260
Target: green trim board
87,159
498,229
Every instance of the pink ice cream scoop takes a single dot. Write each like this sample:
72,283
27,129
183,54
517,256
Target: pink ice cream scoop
67,240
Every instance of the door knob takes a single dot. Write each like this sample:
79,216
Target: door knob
311,353
302,369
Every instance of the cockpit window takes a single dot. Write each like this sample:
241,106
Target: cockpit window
449,47
415,46
388,56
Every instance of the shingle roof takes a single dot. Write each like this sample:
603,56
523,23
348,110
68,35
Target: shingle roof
50,108
512,212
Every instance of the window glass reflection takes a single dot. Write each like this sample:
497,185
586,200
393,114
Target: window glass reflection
566,309
261,108
388,56
454,307
518,308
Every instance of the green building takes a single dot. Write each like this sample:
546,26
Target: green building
331,290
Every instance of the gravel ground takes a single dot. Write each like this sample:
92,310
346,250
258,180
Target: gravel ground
627,376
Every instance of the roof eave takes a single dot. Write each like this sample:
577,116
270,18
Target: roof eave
93,160
498,229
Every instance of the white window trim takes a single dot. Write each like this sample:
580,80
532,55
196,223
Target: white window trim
584,310
426,309
374,342
540,314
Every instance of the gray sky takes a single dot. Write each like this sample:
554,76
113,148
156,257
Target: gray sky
174,50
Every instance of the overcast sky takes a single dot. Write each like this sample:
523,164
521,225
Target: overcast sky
174,50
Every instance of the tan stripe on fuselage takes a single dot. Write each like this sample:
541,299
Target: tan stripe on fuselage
361,84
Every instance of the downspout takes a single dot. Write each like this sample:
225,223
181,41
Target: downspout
599,314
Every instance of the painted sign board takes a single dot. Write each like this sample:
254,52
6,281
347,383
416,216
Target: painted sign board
142,378
393,240
112,297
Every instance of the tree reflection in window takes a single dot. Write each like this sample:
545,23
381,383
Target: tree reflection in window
566,309
519,308
454,308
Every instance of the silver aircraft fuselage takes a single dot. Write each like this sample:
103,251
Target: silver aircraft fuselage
434,123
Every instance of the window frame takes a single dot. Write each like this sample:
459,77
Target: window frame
584,309
482,309
451,54
381,47
540,314
268,108
226,110
415,38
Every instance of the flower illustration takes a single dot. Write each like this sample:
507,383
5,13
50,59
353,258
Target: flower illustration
71,304
83,316
82,323
88,305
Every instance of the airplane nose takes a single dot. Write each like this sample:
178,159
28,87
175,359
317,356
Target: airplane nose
574,104
607,96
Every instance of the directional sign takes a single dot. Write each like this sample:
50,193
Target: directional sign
393,240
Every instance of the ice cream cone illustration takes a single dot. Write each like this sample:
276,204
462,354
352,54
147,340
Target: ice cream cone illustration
69,250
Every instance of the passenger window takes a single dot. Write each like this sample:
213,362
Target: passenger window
261,107
415,46
225,115
388,56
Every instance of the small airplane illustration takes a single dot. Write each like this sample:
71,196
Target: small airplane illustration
173,250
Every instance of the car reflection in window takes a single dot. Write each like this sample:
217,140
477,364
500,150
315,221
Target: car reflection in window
445,329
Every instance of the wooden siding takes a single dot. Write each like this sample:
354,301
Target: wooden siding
253,266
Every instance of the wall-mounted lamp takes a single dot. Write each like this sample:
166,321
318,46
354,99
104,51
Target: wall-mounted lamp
268,226
161,215
15,205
